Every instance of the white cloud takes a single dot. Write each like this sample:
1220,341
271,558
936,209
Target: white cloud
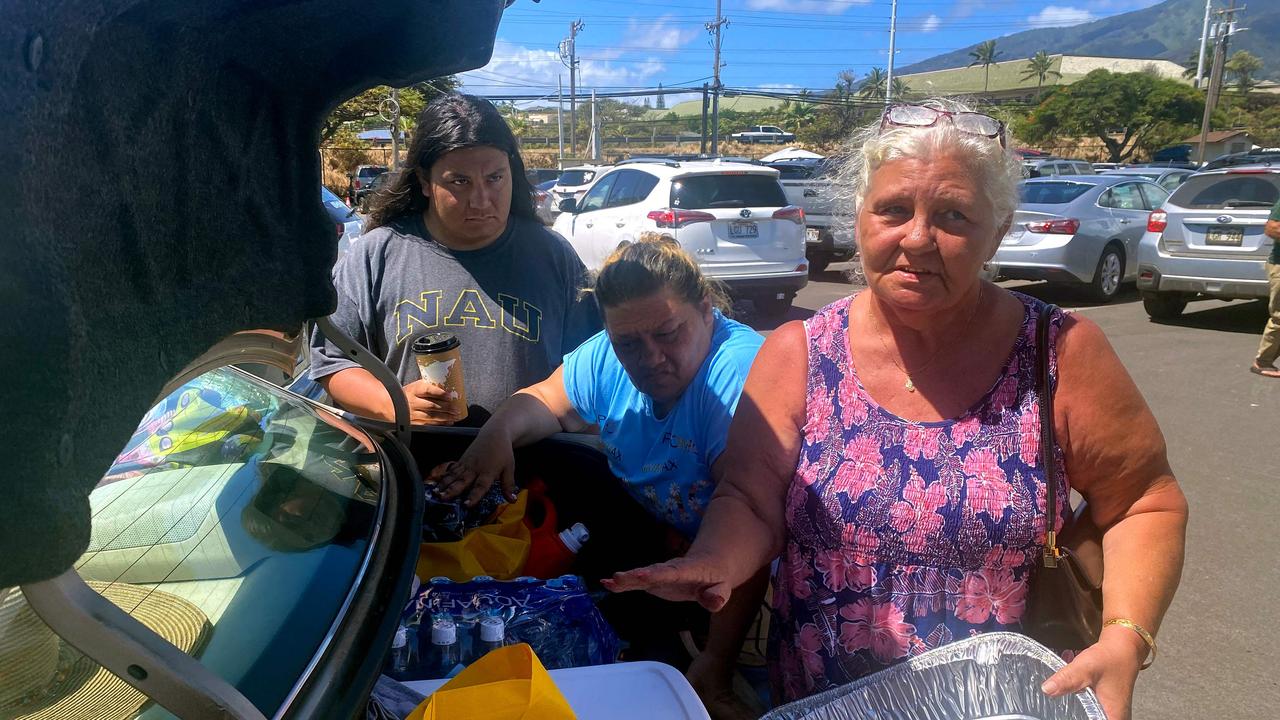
830,7
522,68
659,34
930,24
1056,16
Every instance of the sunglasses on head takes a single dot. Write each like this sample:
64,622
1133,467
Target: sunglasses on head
922,116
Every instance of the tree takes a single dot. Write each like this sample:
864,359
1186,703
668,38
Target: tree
1040,66
985,54
1193,62
900,88
1125,111
1244,65
364,108
874,85
797,114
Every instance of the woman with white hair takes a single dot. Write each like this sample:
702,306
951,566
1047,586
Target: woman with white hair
888,448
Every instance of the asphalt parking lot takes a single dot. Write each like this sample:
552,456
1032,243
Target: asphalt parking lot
1220,645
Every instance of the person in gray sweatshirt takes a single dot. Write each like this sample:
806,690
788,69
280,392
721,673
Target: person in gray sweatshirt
453,245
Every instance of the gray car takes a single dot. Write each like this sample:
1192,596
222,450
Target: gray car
1208,240
1079,229
1168,178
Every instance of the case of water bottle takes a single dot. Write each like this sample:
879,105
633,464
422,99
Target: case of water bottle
556,617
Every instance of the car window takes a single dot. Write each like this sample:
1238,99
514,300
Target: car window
1081,169
702,192
574,178
1173,180
630,187
1125,196
595,197
1053,193
1155,195
792,171
1226,191
235,522
371,171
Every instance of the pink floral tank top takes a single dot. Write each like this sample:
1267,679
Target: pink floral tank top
903,536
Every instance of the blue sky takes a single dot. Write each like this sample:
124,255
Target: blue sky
633,44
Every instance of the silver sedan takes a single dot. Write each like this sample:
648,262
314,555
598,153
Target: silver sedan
1079,229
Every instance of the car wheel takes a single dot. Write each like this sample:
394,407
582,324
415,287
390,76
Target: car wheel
1163,306
769,306
1108,275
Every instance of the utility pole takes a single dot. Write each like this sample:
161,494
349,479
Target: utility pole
893,35
715,29
395,128
569,56
560,119
703,150
1221,32
595,130
1204,43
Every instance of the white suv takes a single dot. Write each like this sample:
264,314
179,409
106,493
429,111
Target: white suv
733,217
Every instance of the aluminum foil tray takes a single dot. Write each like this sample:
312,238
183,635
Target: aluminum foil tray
996,676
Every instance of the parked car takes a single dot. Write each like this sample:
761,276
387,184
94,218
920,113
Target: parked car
346,223
1079,229
1166,177
1051,167
360,181
1173,153
1207,240
573,182
733,217
1105,166
808,185
537,176
1257,156
764,134
544,202
371,190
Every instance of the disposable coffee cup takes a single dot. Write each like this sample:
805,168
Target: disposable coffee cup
439,357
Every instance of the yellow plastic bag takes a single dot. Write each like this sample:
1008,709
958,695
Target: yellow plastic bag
499,549
507,684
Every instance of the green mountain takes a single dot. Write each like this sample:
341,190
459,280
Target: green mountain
1169,31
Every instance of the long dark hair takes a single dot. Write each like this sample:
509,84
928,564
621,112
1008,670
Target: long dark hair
451,122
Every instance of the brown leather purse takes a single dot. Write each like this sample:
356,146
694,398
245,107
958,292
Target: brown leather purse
1064,602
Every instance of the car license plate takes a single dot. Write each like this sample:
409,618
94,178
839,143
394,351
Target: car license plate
811,235
744,230
1225,235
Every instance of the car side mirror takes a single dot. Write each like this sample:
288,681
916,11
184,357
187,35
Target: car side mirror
569,205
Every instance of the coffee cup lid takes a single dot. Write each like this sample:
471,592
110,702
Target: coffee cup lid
434,343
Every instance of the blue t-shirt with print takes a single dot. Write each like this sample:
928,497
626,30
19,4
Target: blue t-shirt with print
665,462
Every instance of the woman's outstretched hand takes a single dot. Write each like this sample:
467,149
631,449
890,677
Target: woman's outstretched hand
1109,666
682,579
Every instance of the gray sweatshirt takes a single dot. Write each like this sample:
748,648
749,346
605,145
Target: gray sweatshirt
515,305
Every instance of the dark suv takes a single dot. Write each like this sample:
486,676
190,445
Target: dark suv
360,181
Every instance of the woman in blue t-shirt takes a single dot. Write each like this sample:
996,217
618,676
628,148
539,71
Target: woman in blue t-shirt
659,385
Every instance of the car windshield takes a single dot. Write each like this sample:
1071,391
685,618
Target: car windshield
573,178
1052,193
704,192
240,509
1228,191
327,196
793,171
371,171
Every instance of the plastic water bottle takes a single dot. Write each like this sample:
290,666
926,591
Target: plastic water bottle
493,635
400,651
444,654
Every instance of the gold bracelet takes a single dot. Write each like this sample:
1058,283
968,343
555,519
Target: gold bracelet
1142,632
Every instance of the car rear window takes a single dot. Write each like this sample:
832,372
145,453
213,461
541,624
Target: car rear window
1228,191
726,191
573,178
371,171
1053,193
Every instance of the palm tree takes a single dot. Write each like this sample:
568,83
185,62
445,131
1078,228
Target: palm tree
1193,62
1040,66
985,55
1243,65
798,114
900,88
875,84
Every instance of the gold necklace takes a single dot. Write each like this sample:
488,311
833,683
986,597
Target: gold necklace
910,384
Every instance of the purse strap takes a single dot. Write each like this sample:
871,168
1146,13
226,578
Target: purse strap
1049,460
